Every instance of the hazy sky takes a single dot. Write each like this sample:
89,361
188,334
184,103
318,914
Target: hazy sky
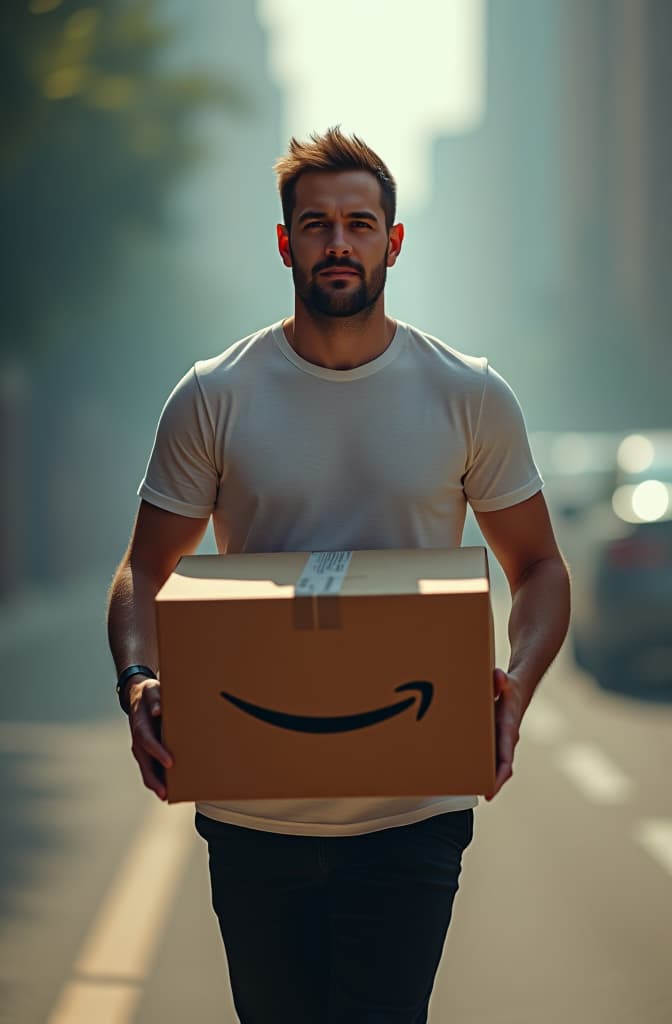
396,72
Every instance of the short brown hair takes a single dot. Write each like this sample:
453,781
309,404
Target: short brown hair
332,151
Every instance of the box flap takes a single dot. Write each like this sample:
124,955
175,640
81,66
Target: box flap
274,575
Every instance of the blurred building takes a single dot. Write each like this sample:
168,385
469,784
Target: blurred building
230,206
545,244
617,201
78,415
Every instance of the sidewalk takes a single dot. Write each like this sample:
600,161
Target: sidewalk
38,612
53,646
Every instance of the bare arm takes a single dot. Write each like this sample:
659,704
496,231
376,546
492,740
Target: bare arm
522,540
158,542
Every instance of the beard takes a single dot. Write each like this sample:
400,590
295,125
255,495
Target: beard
337,298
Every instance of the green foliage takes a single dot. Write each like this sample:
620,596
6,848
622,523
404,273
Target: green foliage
97,129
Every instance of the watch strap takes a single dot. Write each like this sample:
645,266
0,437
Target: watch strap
128,673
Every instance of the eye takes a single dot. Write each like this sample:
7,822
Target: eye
361,224
315,224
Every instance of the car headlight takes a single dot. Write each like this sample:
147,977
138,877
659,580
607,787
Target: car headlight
646,502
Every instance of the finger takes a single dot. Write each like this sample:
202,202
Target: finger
144,738
149,774
504,773
500,682
507,739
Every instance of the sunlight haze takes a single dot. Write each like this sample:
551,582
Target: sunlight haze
395,73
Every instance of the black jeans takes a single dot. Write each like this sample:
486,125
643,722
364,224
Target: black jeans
339,930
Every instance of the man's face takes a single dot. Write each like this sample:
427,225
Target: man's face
338,246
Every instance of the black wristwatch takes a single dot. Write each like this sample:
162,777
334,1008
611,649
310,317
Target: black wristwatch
128,673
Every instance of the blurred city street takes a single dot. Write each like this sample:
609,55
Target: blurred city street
531,147
564,909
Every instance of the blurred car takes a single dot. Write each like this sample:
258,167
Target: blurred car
621,562
579,470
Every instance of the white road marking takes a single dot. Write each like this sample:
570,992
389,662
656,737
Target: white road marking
84,1002
594,774
543,721
118,949
655,835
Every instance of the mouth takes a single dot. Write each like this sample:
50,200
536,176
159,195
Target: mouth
339,272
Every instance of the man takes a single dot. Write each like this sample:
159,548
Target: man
338,428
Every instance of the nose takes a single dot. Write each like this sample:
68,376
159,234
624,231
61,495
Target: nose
338,245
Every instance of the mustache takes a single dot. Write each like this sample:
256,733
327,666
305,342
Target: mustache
332,263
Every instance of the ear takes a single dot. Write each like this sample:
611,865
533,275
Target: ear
283,245
394,243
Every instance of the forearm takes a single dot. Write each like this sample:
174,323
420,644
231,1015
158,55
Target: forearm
131,618
158,542
538,623
132,635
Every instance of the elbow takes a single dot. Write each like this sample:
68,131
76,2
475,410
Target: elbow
550,571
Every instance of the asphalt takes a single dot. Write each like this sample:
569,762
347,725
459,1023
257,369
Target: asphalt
564,908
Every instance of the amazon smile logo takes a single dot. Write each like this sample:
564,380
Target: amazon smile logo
339,723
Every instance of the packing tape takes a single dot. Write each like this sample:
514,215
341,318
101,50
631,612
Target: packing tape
303,613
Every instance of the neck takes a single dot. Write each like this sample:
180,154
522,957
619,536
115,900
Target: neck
339,343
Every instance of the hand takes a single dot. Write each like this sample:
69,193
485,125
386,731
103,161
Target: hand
508,716
144,716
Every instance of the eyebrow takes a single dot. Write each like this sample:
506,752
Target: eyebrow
312,215
321,214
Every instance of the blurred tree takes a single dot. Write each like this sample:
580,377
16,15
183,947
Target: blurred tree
97,129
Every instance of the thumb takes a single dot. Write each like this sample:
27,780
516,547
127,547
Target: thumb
501,682
152,699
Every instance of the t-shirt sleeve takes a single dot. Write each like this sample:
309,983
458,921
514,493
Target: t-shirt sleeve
182,474
501,471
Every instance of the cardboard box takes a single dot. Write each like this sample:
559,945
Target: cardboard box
358,673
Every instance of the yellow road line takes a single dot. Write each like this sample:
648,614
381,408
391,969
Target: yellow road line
597,777
118,949
655,835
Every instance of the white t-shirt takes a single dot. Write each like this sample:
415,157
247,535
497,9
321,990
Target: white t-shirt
290,456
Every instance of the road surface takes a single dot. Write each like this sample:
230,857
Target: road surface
565,907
